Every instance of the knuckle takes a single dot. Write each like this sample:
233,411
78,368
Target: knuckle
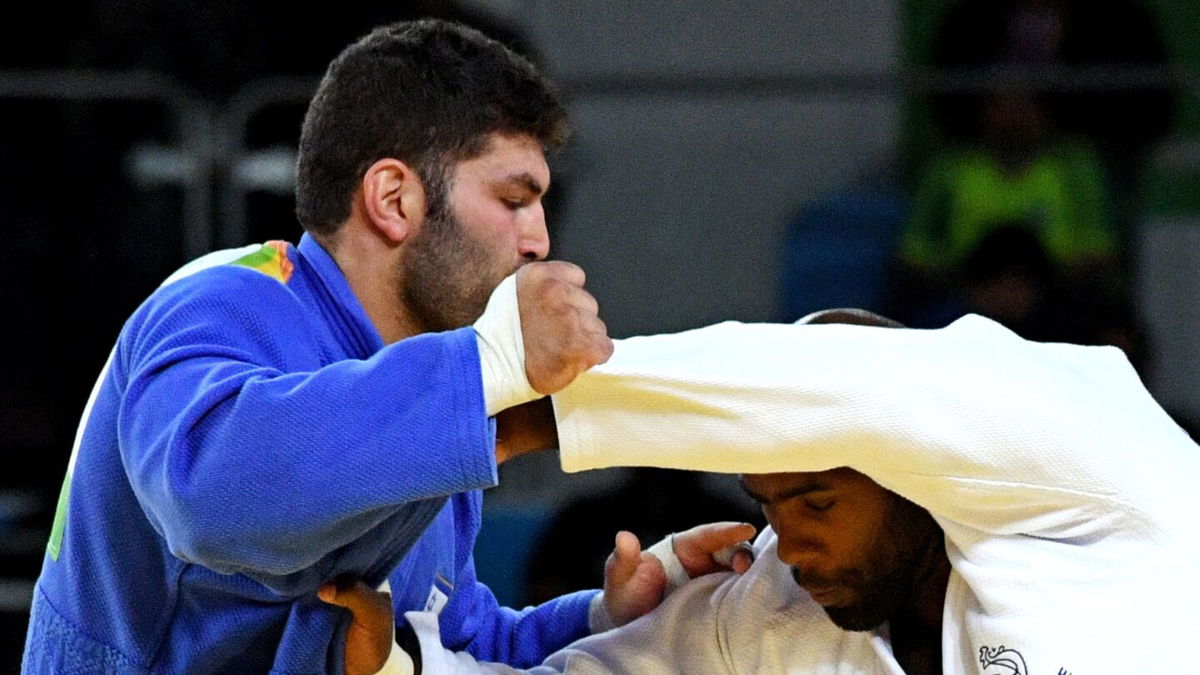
569,272
557,268
534,271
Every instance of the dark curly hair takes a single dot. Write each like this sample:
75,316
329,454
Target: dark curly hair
425,92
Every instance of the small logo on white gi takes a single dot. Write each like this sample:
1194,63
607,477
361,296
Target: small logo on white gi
1002,661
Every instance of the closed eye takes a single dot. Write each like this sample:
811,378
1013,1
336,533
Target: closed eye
514,204
820,505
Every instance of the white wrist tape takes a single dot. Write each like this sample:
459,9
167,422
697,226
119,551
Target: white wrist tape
502,350
665,552
599,620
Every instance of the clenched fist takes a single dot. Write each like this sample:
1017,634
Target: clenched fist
560,324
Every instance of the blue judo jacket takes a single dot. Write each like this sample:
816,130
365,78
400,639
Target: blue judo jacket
249,439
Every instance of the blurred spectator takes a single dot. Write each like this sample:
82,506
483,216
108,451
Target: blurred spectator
652,503
1009,278
1019,170
1123,124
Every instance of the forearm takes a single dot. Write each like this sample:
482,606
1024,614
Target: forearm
313,459
516,637
972,402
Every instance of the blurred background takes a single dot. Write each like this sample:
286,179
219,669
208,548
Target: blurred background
1037,161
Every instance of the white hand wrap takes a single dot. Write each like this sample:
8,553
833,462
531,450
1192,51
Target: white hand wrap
599,620
676,575
665,552
502,351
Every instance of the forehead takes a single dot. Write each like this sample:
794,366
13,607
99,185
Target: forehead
507,157
775,486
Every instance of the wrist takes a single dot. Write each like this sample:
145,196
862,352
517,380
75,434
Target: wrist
502,351
599,618
525,428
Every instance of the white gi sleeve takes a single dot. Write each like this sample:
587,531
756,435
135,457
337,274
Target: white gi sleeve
970,421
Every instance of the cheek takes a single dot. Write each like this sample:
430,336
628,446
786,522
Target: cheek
825,542
485,216
491,230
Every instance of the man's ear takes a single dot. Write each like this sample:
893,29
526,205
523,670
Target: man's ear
393,199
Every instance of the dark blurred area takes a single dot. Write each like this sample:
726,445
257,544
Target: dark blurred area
139,134
569,554
1058,163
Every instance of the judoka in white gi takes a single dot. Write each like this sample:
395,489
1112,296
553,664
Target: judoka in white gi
956,500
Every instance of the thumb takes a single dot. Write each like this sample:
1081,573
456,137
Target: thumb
626,556
363,601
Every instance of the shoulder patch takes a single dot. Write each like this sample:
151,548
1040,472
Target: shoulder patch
271,259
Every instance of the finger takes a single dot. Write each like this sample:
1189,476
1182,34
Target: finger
595,347
581,300
627,553
716,536
709,548
564,271
359,598
606,349
651,572
593,325
742,560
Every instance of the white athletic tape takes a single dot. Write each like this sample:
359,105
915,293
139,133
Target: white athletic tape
502,350
599,620
676,575
665,552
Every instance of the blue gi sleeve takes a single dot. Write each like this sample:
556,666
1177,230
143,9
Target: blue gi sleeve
252,451
473,621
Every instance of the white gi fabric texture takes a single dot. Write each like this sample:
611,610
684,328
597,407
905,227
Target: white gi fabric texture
761,622
1068,497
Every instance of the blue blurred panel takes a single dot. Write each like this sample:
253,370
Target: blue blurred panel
506,540
838,250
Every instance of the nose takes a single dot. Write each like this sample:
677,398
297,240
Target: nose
534,241
798,550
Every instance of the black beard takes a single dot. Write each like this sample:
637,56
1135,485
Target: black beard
904,559
447,275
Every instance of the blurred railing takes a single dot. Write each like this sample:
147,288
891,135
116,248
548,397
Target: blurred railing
211,156
190,161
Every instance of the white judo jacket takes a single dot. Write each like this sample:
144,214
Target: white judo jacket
1068,497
